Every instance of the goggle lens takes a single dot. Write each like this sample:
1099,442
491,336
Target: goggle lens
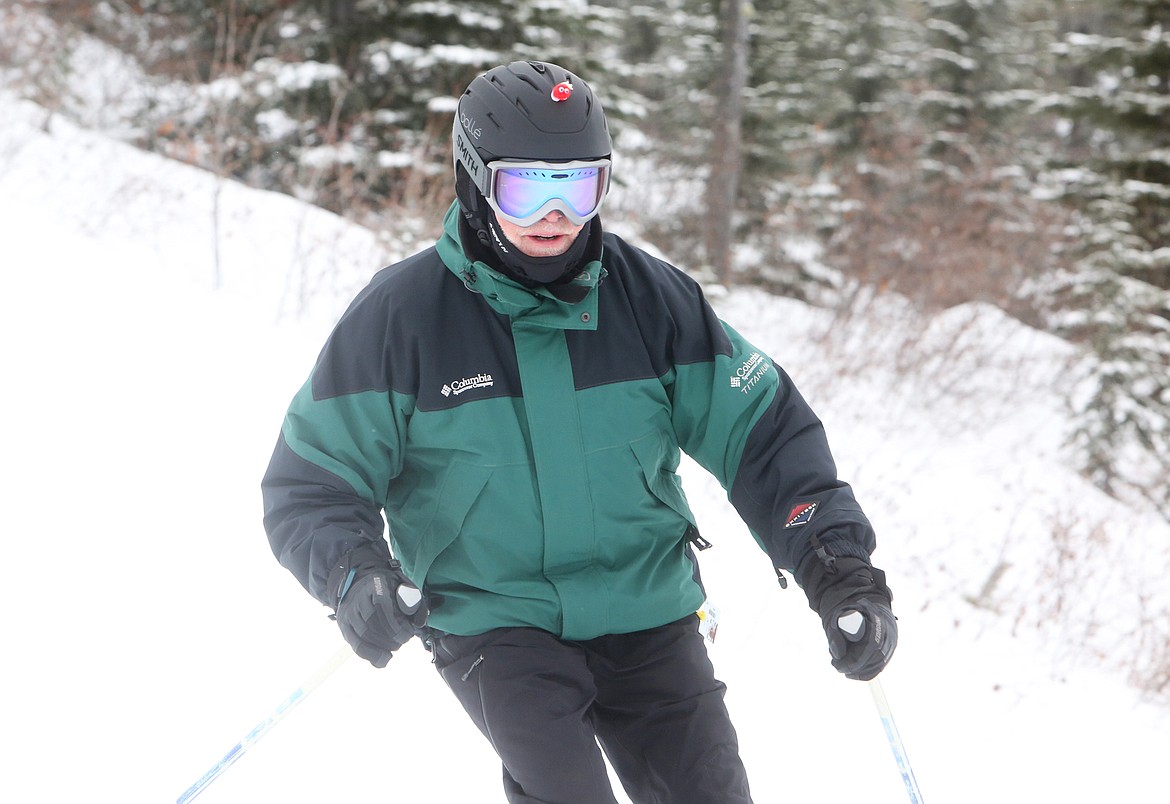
520,192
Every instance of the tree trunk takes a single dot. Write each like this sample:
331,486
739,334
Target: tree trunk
726,144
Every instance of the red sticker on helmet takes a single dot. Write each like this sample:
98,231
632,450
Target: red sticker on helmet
562,91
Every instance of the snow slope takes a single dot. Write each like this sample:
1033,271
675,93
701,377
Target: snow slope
155,321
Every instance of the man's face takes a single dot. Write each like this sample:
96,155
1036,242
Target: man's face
550,236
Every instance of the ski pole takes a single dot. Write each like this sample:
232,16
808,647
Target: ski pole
264,726
895,739
853,624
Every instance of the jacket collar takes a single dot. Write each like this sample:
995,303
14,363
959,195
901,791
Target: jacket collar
537,306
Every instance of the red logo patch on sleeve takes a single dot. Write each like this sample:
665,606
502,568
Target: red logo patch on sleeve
800,514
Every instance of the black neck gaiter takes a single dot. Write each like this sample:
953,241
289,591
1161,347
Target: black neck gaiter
489,245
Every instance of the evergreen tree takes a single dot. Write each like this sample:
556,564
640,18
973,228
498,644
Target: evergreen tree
1116,298
937,203
962,63
981,76
346,103
822,76
656,72
820,72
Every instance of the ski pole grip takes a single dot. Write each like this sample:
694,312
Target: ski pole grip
409,598
852,624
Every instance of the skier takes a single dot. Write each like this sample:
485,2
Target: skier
514,400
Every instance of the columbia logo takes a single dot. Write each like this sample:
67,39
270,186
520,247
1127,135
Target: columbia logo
456,387
750,372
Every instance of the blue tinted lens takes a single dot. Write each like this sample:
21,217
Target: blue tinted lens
520,192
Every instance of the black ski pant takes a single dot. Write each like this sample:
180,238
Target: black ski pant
649,698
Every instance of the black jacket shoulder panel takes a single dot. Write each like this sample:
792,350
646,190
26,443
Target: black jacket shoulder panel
651,317
427,331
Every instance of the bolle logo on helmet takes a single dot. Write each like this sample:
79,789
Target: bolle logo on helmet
562,91
469,126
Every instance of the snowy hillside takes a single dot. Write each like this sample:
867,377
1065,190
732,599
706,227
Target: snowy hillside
155,322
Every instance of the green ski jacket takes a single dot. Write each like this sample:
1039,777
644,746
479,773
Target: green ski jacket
523,449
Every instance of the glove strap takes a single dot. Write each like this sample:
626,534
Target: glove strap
345,586
827,559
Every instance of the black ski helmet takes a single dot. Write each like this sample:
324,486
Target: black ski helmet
526,110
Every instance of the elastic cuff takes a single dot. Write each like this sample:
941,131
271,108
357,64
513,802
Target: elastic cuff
844,548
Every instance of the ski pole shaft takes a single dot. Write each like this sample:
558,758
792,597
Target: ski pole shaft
852,623
895,740
266,725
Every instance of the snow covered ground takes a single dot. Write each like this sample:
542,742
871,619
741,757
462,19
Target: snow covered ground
154,323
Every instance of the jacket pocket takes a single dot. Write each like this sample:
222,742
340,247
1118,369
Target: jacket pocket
424,528
657,456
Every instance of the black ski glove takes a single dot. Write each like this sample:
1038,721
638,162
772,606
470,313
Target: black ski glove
862,638
378,608
837,587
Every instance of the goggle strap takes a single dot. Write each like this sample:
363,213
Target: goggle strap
465,152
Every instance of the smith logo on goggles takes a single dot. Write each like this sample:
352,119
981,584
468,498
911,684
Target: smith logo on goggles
524,192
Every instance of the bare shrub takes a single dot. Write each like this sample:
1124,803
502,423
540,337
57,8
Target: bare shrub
1091,600
1067,579
941,234
1151,672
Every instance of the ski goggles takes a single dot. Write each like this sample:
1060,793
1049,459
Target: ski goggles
523,192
